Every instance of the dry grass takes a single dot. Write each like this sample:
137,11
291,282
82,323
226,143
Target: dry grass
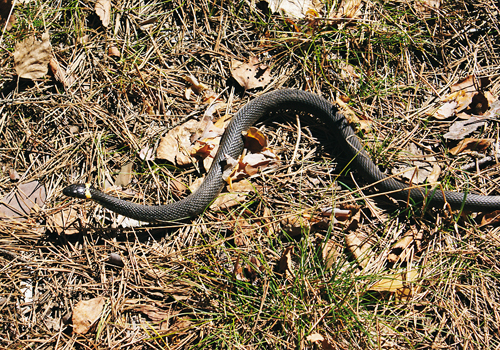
217,281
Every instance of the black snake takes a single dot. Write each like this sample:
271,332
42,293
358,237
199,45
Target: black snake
231,145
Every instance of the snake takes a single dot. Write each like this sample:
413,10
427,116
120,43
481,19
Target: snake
232,144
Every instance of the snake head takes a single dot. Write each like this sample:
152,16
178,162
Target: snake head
81,191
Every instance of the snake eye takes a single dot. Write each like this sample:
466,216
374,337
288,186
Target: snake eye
76,191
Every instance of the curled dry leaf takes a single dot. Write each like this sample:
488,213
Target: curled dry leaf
470,84
348,72
255,140
251,75
116,260
400,250
492,218
113,51
193,139
253,268
58,72
14,175
103,10
31,57
469,145
229,168
195,85
461,98
285,263
146,153
466,94
258,158
86,313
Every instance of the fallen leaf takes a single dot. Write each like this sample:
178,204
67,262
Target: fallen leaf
315,337
399,250
175,146
492,218
285,263
461,128
396,283
57,71
86,313
347,71
446,110
462,99
14,175
469,84
195,85
330,252
252,163
19,203
237,195
202,149
31,57
465,94
469,144
125,175
292,8
253,268
479,104
426,7
113,51
347,9
251,75
293,225
353,223
255,140
116,260
229,168
103,10
417,171
359,246
146,153
65,221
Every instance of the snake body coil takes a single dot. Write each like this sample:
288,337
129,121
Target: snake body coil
232,145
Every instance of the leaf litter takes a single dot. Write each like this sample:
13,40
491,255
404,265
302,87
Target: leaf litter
110,116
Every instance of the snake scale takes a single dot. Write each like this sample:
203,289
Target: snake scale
231,145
